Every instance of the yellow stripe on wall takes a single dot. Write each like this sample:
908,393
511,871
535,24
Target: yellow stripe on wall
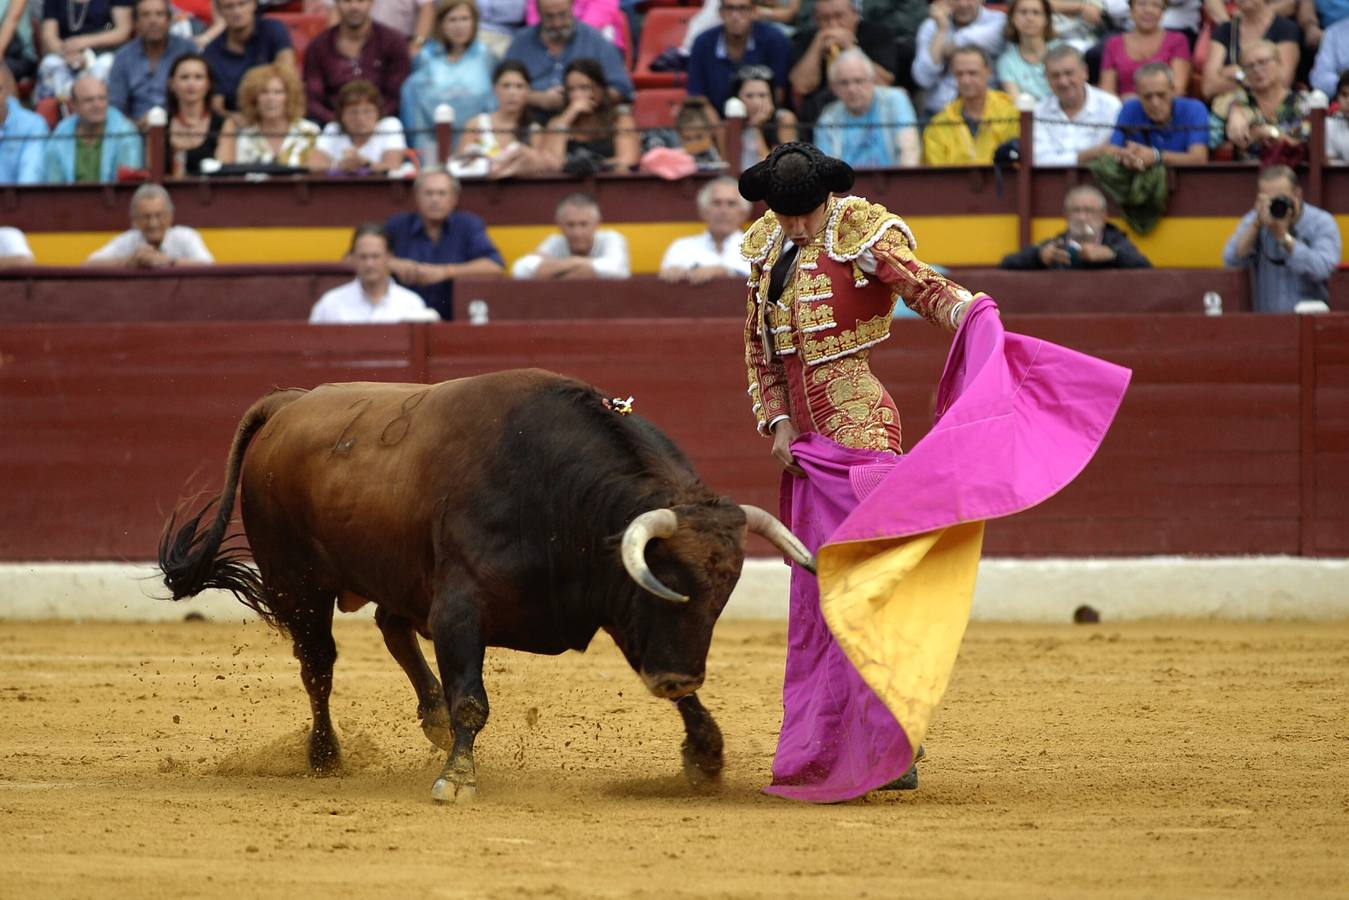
1192,242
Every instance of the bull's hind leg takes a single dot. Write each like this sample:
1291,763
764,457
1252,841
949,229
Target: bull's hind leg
702,741
456,630
400,637
311,630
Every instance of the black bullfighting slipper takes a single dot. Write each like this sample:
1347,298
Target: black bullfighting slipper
909,780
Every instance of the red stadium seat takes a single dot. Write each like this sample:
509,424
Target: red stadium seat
657,107
664,28
303,28
49,108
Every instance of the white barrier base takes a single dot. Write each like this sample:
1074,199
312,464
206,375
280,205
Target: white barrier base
1009,590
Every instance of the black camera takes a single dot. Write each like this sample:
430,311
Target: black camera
1280,207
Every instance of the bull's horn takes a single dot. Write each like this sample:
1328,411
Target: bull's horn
656,523
766,525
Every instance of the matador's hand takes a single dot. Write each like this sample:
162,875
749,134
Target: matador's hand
783,434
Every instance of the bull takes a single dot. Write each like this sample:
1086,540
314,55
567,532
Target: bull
516,509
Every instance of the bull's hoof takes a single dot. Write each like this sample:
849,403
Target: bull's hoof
702,768
324,756
448,791
436,727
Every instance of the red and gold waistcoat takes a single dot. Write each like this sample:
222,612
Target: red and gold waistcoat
807,353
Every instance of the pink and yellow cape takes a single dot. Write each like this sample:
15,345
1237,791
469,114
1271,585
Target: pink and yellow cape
871,643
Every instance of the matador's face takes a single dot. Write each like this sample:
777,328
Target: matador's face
801,230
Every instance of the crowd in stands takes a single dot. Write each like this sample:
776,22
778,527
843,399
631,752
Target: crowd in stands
880,83
1126,87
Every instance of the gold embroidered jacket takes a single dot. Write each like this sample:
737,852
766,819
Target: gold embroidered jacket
838,300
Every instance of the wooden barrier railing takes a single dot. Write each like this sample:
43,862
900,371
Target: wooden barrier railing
1233,439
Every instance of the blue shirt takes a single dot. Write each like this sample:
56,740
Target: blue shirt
462,239
545,70
95,19
871,140
227,67
711,70
134,85
23,142
1332,11
1188,126
1281,277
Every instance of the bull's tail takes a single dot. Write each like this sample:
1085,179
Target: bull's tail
197,555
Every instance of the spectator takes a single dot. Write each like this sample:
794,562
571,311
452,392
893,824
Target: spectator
870,125
592,133
605,16
976,122
140,70
716,252
413,19
699,131
440,243
1157,127
1332,59
23,137
1089,241
506,137
1337,128
247,42
1078,23
372,297
93,142
1265,120
275,132
1289,246
1073,124
952,26
837,27
739,41
356,48
766,126
1181,16
499,22
582,250
14,249
196,131
903,18
1255,21
16,39
1123,54
1029,33
358,140
453,67
79,38
153,241
549,48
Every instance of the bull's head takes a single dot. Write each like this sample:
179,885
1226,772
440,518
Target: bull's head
690,556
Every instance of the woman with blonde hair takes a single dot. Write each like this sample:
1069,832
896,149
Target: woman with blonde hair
275,131
452,67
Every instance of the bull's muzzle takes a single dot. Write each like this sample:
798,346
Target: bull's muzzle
671,686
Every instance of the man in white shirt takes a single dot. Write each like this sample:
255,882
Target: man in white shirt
153,241
1074,123
582,250
374,297
14,250
716,252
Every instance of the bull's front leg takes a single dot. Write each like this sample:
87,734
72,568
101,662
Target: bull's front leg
456,631
702,741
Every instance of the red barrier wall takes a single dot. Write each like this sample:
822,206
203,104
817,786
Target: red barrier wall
1234,438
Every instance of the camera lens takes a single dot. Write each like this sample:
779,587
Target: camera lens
1280,206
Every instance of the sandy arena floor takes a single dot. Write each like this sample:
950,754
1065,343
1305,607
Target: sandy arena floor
1160,759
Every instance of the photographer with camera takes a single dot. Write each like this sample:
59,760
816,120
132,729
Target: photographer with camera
1090,242
1290,247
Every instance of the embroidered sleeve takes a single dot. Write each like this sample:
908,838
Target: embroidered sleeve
917,284
767,378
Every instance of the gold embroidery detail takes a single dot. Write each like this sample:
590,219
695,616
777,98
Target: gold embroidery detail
813,287
832,346
858,224
815,318
759,239
858,414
